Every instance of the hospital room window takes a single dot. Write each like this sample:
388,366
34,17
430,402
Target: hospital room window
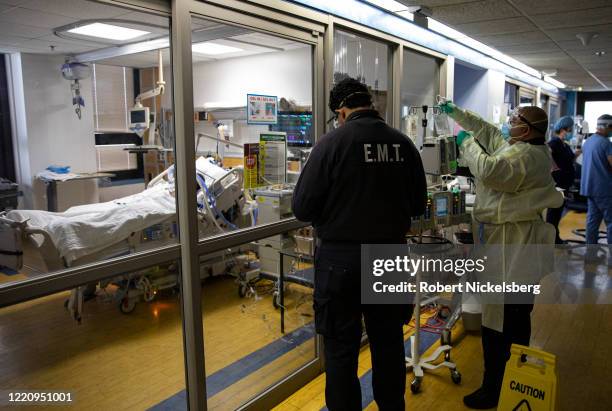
84,151
420,86
253,103
366,60
113,93
73,88
252,97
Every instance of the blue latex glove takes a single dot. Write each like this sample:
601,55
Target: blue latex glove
447,107
462,136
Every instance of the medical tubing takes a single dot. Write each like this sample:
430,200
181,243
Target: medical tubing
202,185
214,206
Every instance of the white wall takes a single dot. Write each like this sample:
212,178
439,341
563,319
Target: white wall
55,134
495,94
48,130
226,83
471,87
481,91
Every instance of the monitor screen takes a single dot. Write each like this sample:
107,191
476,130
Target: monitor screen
297,125
138,116
441,207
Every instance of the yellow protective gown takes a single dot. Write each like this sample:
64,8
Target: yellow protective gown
513,187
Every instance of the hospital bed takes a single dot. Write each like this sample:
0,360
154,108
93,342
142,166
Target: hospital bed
47,241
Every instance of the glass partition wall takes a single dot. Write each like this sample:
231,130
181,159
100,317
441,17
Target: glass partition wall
214,114
366,60
94,269
419,87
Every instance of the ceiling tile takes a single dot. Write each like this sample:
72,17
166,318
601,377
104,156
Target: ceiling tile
600,43
35,18
81,9
431,3
13,29
569,33
513,39
146,18
488,28
52,38
583,17
12,40
531,7
474,11
530,48
58,48
13,2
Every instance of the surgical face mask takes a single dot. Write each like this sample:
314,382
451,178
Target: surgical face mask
568,136
505,131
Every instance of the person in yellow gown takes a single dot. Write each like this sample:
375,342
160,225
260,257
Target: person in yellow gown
512,169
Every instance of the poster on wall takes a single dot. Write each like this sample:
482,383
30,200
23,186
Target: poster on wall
262,109
273,157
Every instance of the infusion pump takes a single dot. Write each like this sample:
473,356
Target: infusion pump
439,155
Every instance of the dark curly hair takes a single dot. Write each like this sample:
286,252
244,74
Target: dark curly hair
349,93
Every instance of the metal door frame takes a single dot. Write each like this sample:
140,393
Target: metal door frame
259,19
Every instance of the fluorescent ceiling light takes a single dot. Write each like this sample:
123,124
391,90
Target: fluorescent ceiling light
108,31
213,48
390,5
554,82
481,47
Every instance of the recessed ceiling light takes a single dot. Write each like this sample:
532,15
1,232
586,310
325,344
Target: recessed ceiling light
108,31
213,48
600,53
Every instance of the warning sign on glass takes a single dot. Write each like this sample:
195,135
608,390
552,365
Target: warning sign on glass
262,109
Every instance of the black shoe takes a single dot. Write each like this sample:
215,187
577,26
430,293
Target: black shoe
481,399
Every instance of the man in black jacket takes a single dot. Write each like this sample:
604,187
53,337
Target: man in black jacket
361,184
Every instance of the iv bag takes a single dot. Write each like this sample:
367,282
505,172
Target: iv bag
442,125
412,127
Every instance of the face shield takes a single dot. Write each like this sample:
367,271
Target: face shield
517,126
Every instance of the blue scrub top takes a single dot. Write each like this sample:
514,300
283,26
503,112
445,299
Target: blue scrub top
596,179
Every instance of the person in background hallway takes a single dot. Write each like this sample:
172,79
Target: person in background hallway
513,187
563,174
361,184
596,181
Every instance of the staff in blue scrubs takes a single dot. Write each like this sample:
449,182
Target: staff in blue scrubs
596,180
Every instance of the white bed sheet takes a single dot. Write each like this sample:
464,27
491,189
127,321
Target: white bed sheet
87,229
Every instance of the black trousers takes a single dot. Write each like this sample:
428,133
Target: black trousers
553,216
338,317
496,345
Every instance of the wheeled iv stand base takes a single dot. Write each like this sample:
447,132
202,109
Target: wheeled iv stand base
418,363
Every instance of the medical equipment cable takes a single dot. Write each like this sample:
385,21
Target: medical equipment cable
202,184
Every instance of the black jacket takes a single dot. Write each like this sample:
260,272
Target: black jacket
563,156
362,183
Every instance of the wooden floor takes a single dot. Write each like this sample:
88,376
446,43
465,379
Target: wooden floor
579,335
114,361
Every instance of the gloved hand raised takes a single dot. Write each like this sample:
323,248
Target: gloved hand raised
447,107
463,135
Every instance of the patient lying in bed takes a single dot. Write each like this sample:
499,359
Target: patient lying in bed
87,229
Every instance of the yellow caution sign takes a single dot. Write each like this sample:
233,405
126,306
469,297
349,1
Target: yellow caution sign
530,385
